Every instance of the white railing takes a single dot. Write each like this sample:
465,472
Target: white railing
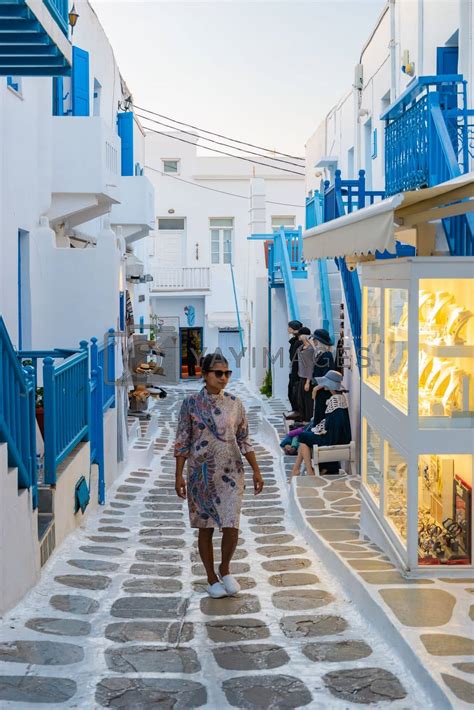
193,278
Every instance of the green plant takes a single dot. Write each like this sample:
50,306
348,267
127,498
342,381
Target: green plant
266,388
39,397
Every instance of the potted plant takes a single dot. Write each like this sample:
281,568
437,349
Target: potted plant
266,388
40,409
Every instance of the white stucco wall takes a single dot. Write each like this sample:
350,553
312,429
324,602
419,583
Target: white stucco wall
19,547
197,206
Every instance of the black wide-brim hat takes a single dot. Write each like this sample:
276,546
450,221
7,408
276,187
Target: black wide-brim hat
322,336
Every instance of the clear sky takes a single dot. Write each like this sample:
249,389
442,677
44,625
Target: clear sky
262,71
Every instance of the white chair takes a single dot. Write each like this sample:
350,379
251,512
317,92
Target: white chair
341,452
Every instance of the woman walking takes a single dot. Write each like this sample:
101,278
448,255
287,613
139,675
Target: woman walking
212,435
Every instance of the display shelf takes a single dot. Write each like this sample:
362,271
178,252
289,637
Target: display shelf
448,351
417,449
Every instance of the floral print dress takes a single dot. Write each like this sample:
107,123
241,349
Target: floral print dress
212,435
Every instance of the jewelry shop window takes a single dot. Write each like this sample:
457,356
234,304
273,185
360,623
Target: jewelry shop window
371,336
446,353
395,488
396,351
372,459
444,509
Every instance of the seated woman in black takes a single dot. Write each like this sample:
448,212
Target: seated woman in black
334,429
324,361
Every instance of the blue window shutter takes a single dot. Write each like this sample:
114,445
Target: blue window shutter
80,82
58,93
125,131
447,60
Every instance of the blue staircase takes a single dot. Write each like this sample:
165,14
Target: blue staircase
285,263
26,48
429,138
314,217
17,414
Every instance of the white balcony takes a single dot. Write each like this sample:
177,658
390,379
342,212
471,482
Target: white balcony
193,278
136,211
86,169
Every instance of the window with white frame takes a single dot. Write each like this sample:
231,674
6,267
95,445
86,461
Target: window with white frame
170,223
286,221
171,166
222,232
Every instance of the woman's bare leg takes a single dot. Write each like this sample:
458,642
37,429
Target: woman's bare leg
206,553
295,471
230,537
306,452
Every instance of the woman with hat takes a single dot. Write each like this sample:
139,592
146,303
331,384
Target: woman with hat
324,361
334,429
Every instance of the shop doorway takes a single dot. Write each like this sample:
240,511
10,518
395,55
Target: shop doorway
190,349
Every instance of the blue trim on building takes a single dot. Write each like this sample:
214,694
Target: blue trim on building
125,131
80,82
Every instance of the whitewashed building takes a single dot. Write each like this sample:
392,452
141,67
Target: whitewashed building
203,219
409,40
70,167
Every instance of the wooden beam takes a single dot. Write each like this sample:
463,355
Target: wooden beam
444,198
425,239
439,213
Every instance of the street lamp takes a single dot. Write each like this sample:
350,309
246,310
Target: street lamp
73,17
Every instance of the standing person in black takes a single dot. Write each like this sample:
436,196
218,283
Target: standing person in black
293,380
324,361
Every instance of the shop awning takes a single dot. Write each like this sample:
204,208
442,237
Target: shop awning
379,226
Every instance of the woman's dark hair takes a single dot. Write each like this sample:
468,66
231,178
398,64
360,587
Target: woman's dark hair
209,361
304,331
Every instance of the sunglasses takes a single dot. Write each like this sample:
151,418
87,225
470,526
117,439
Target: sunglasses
221,373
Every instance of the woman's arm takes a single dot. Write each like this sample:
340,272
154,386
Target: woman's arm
182,447
246,449
257,476
180,483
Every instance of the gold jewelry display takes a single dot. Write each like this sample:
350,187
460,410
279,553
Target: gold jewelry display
426,301
442,299
457,320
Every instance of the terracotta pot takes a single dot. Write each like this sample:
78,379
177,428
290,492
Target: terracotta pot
40,419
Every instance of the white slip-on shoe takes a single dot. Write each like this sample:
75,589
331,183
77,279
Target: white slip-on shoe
230,584
216,590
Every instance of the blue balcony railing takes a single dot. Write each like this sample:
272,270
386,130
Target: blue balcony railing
429,134
59,10
76,395
429,138
17,413
66,408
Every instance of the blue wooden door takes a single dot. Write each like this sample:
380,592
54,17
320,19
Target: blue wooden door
80,82
229,345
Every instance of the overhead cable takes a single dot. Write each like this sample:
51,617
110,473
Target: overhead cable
223,152
219,135
214,189
211,140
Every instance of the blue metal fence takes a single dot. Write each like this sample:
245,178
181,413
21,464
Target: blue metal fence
429,138
17,413
66,408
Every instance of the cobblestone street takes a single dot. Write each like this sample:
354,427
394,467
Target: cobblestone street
120,618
